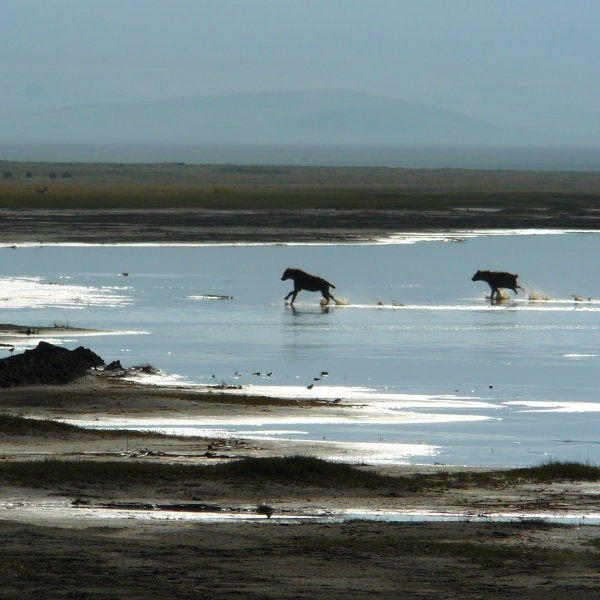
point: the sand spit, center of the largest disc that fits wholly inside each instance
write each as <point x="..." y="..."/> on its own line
<point x="15" y="335"/>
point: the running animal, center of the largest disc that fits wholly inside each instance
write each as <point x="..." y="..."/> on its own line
<point x="497" y="280"/>
<point x="310" y="283"/>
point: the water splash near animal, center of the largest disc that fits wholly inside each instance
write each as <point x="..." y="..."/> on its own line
<point x="537" y="296"/>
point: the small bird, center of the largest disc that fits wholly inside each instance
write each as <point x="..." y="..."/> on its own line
<point x="265" y="509"/>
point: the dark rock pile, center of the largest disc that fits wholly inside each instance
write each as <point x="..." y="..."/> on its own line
<point x="47" y="364"/>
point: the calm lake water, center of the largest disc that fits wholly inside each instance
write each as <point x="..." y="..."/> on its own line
<point x="440" y="374"/>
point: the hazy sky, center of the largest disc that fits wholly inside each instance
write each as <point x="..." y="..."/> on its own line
<point x="512" y="61"/>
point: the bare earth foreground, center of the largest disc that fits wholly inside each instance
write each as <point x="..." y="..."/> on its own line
<point x="74" y="551"/>
<point x="56" y="543"/>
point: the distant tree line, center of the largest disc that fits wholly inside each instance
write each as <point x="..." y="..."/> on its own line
<point x="29" y="175"/>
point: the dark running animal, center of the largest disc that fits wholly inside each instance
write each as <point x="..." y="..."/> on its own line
<point x="310" y="283"/>
<point x="497" y="280"/>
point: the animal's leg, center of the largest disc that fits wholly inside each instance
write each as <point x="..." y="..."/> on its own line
<point x="325" y="293"/>
<point x="289" y="295"/>
<point x="294" y="293"/>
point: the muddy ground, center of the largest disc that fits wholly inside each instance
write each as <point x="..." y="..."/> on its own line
<point x="184" y="225"/>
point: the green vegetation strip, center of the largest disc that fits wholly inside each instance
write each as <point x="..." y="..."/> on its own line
<point x="303" y="470"/>
<point x="298" y="469"/>
<point x="14" y="426"/>
<point x="268" y="200"/>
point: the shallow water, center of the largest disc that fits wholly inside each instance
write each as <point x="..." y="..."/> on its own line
<point x="443" y="376"/>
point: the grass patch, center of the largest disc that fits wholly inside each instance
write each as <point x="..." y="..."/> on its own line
<point x="537" y="524"/>
<point x="13" y="425"/>
<point x="558" y="471"/>
<point x="303" y="470"/>
<point x="54" y="472"/>
<point x="306" y="470"/>
<point x="293" y="470"/>
<point x="549" y="472"/>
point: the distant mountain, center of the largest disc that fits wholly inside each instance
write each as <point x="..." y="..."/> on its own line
<point x="305" y="117"/>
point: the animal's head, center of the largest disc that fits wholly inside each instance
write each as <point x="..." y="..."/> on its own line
<point x="287" y="274"/>
<point x="478" y="276"/>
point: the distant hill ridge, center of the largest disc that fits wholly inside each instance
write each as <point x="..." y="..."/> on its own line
<point x="285" y="117"/>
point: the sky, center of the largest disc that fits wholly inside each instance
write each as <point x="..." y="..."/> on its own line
<point x="522" y="63"/>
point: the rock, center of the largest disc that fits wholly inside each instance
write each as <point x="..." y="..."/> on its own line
<point x="115" y="365"/>
<point x="48" y="364"/>
<point x="145" y="369"/>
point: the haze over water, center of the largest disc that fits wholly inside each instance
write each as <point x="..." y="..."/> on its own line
<point x="434" y="372"/>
